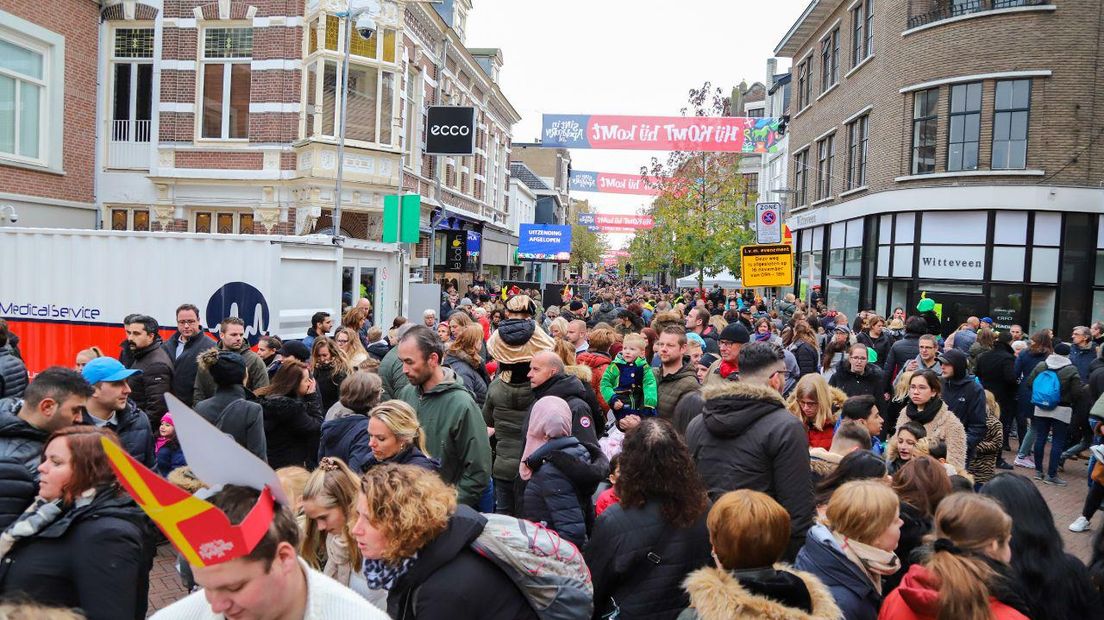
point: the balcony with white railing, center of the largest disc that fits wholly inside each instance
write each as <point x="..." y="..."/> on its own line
<point x="128" y="144"/>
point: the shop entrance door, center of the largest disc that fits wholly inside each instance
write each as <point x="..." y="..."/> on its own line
<point x="956" y="308"/>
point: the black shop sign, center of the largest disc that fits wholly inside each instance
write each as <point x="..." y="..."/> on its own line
<point x="456" y="251"/>
<point x="450" y="130"/>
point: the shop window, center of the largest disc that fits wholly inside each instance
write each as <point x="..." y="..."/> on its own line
<point x="1011" y="228"/>
<point x="902" y="261"/>
<point x="883" y="261"/>
<point x="955" y="227"/>
<point x="843" y="295"/>
<point x="853" y="262"/>
<point x="1048" y="229"/>
<point x="1044" y="265"/>
<point x="881" y="294"/>
<point x="836" y="262"/>
<point x="1099" y="271"/>
<point x="1098" y="303"/>
<point x="1006" y="305"/>
<point x="905" y="230"/>
<point x="885" y="230"/>
<point x="1008" y="264"/>
<point x="925" y="121"/>
<point x="898" y="297"/>
<point x="1042" y="309"/>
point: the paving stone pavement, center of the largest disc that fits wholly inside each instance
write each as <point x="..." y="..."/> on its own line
<point x="1064" y="502"/>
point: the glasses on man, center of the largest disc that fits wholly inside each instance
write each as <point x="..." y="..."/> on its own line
<point x="858" y="358"/>
<point x="187" y="322"/>
<point x="785" y="374"/>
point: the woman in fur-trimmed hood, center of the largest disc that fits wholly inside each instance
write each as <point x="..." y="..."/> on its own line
<point x="749" y="532"/>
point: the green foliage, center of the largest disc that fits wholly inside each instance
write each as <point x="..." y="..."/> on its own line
<point x="586" y="247"/>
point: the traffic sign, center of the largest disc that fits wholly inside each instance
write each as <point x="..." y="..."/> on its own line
<point x="766" y="265"/>
<point x="768" y="222"/>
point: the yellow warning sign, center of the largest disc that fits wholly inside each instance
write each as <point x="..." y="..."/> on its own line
<point x="766" y="265"/>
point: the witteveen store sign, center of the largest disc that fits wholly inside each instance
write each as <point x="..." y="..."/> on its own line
<point x="450" y="130"/>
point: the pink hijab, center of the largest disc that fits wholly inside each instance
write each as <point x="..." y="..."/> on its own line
<point x="551" y="419"/>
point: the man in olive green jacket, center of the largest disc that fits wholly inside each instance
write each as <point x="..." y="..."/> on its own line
<point x="455" y="432"/>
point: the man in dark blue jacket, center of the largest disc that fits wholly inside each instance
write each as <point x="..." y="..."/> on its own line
<point x="110" y="406"/>
<point x="183" y="349"/>
<point x="964" y="397"/>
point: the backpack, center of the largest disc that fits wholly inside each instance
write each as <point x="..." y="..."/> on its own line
<point x="1046" y="391"/>
<point x="549" y="571"/>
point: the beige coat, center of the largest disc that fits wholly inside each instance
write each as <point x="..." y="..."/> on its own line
<point x="945" y="426"/>
<point x="716" y="595"/>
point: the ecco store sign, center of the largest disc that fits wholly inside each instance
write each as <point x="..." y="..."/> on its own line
<point x="450" y="130"/>
<point x="966" y="262"/>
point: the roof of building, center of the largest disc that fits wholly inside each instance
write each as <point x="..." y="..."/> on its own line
<point x="779" y="80"/>
<point x="805" y="27"/>
<point x="526" y="175"/>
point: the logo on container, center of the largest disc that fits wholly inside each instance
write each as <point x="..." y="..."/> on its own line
<point x="243" y="301"/>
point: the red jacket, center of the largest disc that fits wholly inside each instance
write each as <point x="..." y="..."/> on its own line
<point x="917" y="598"/>
<point x="821" y="439"/>
<point x="598" y="364"/>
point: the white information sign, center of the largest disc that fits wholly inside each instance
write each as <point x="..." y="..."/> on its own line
<point x="768" y="222"/>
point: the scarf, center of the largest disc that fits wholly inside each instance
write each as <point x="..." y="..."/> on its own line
<point x="551" y="419"/>
<point x="382" y="575"/>
<point x="36" y="518"/>
<point x="505" y="353"/>
<point x="926" y="415"/>
<point x="727" y="368"/>
<point x="762" y="337"/>
<point x="875" y="562"/>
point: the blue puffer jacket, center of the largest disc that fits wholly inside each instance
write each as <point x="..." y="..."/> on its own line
<point x="346" y="437"/>
<point x="169" y="457"/>
<point x="20" y="453"/>
<point x="853" y="591"/>
<point x="550" y="496"/>
<point x="133" y="428"/>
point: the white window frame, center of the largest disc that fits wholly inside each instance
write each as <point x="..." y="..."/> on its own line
<point x="315" y="64"/>
<point x="201" y="62"/>
<point x="51" y="121"/>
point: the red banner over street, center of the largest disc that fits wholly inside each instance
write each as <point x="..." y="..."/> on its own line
<point x="722" y="134"/>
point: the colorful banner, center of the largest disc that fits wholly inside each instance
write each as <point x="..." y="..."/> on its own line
<point x="545" y="242"/>
<point x="612" y="183"/>
<point x="610" y="223"/>
<point x="722" y="134"/>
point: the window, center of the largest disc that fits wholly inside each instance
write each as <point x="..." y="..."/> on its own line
<point x="373" y="85"/>
<point x="414" y="91"/>
<point x="862" y="24"/>
<point x="224" y="223"/>
<point x="23" y="83"/>
<point x="869" y="27"/>
<point x="858" y="133"/>
<point x="804" y="84"/>
<point x="756" y="112"/>
<point x="227" y="53"/>
<point x="925" y="119"/>
<point x="1010" y="113"/>
<point x="824" y="168"/>
<point x="965" y="127"/>
<point x="829" y="60"/>
<point x="131" y="76"/>
<point x="130" y="219"/>
<point x="801" y="176"/>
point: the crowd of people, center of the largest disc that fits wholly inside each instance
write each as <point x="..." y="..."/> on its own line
<point x="661" y="454"/>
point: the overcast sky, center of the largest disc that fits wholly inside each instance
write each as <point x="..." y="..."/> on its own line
<point x="619" y="57"/>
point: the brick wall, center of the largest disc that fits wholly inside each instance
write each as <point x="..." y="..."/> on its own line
<point x="220" y="159"/>
<point x="1062" y="119"/>
<point x="78" y="21"/>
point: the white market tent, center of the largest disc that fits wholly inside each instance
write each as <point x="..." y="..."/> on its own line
<point x="722" y="278"/>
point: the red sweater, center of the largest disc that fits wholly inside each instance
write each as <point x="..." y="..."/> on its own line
<point x="917" y="598"/>
<point x="821" y="439"/>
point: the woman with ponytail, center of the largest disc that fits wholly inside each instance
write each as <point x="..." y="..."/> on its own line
<point x="964" y="574"/>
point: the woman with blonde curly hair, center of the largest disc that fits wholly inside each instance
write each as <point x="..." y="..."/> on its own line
<point x="349" y="342"/>
<point x="415" y="540"/>
<point x="329" y="506"/>
<point x="816" y="404"/>
<point x="330" y="367"/>
<point x="395" y="436"/>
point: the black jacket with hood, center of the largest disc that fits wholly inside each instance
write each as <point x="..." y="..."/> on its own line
<point x="149" y="387"/>
<point x="745" y="438"/>
<point x="234" y="410"/>
<point x="13" y="374"/>
<point x="606" y="313"/>
<point x="551" y="497"/>
<point x="996" y="371"/>
<point x="450" y="581"/>
<point x="881" y="345"/>
<point x="292" y="427"/>
<point x="902" y="351"/>
<point x="966" y="399"/>
<point x="870" y="382"/>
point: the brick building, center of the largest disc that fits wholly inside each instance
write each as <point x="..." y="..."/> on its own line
<point x="47" y="100"/>
<point x="934" y="150"/>
<point x="223" y="116"/>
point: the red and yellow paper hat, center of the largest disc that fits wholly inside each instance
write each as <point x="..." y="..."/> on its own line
<point x="197" y="529"/>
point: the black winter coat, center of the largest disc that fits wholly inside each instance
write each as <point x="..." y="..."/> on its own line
<point x="133" y="428"/>
<point x="292" y="427"/>
<point x="808" y="360"/>
<point x="378" y="350"/>
<point x="902" y="351"/>
<point x="13" y="374"/>
<point x="235" y="412"/>
<point x="95" y="558"/>
<point x="966" y="399"/>
<point x="638" y="562"/>
<point x="745" y="438"/>
<point x="20" y="454"/>
<point x="450" y="581"/>
<point x="1096" y="379"/>
<point x="551" y="498"/>
<point x="996" y="371"/>
<point x="346" y="437"/>
<point x="881" y="345"/>
<point x="329" y="385"/>
<point x="870" y="382"/>
<point x="410" y="456"/>
<point x="185" y="367"/>
<point x="575" y="392"/>
<point x="149" y="388"/>
<point x="474" y="380"/>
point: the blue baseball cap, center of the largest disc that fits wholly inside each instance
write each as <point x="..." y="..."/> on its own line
<point x="106" y="369"/>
